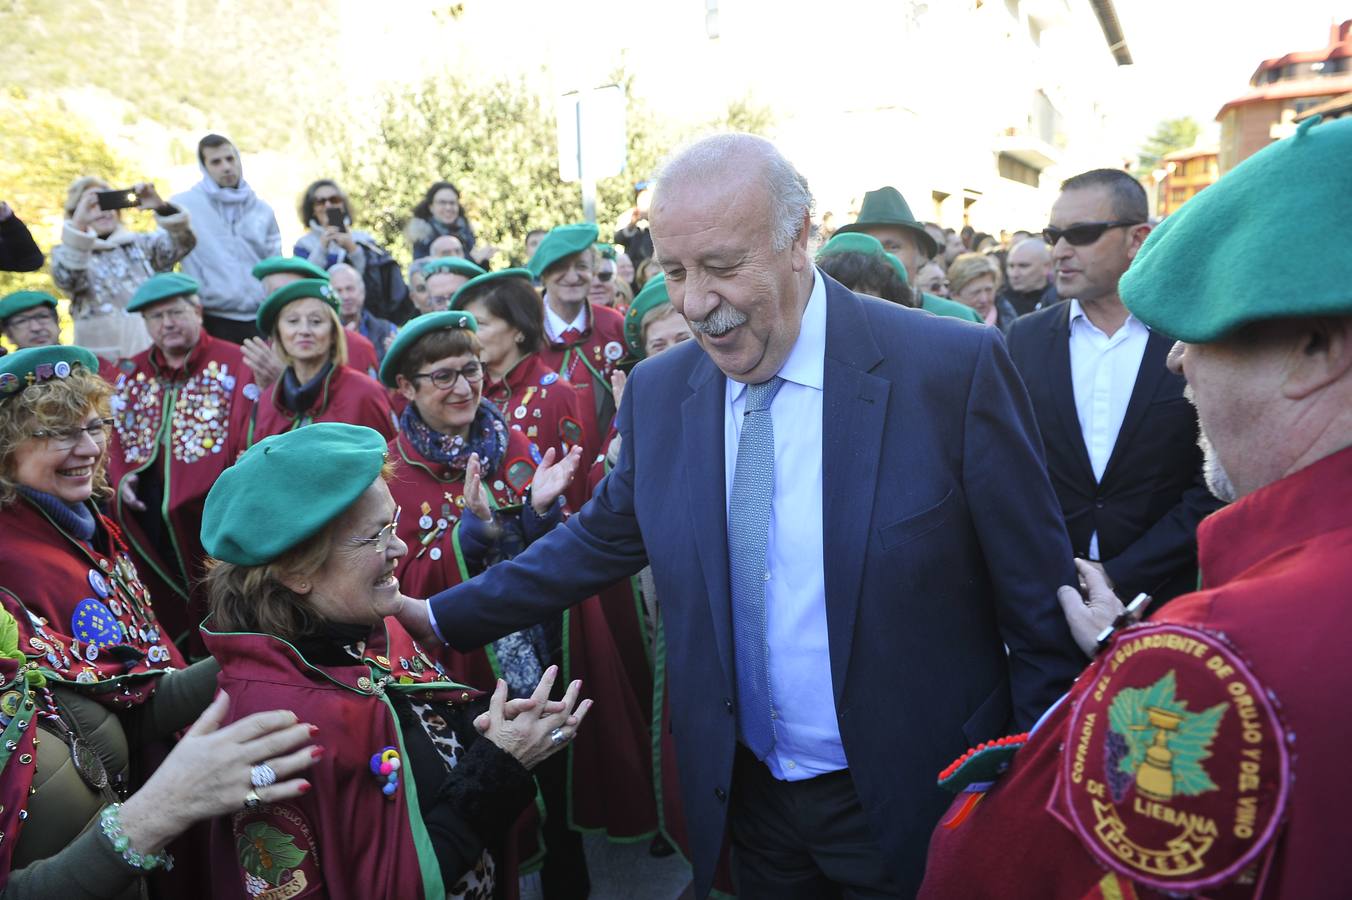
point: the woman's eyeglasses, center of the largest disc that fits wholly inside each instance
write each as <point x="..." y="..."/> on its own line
<point x="382" y="539"/>
<point x="328" y="201"/>
<point x="1084" y="234"/>
<point x="446" y="378"/>
<point x="67" y="438"/>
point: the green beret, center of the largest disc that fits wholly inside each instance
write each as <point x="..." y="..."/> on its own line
<point x="856" y="242"/>
<point x="19" y="301"/>
<point x="286" y="488"/>
<point x="561" y="243"/>
<point x="453" y="264"/>
<point x="164" y="286"/>
<point x="1271" y="239"/>
<point x="462" y="296"/>
<point x="414" y="329"/>
<point x="289" y="293"/>
<point x="38" y="364"/>
<point x="887" y="207"/>
<point x="294" y="265"/>
<point x="653" y="295"/>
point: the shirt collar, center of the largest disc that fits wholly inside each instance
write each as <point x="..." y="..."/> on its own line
<point x="1077" y="313"/>
<point x="556" y="324"/>
<point x="806" y="364"/>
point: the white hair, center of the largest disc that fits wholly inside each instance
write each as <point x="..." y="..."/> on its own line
<point x="790" y="197"/>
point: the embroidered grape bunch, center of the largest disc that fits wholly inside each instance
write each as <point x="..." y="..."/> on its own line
<point x="1114" y="751"/>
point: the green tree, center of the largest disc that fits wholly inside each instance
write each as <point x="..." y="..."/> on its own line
<point x="1169" y="135"/>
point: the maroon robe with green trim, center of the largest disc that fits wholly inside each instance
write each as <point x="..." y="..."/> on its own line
<point x="348" y="396"/>
<point x="587" y="363"/>
<point x="182" y="421"/>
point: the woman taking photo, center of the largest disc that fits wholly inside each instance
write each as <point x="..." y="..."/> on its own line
<point x="90" y="687"/>
<point x="302" y="318"/>
<point x="100" y="263"/>
<point x="440" y="213"/>
<point x="417" y="789"/>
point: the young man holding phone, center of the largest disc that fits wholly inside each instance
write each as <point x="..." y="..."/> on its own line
<point x="236" y="230"/>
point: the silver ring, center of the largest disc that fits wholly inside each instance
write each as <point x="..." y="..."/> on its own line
<point x="557" y="737"/>
<point x="252" y="800"/>
<point x="262" y="775"/>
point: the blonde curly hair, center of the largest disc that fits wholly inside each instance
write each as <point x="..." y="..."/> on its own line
<point x="51" y="405"/>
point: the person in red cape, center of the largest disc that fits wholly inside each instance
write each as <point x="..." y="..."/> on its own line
<point x="317" y="384"/>
<point x="90" y="686"/>
<point x="175" y="407"/>
<point x="532" y="398"/>
<point x="583" y="342"/>
<point x="1203" y="753"/>
<point x="420" y="778"/>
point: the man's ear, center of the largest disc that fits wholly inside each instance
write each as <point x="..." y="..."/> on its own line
<point x="1322" y="354"/>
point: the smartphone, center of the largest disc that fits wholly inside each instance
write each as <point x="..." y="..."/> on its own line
<point x="118" y="199"/>
<point x="335" y="217"/>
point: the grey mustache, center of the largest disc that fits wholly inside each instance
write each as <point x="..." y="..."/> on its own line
<point x="723" y="319"/>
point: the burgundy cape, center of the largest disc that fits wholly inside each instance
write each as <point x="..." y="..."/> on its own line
<point x="537" y="402"/>
<point x="1266" y="817"/>
<point x="182" y="422"/>
<point x="610" y="775"/>
<point x="348" y="396"/>
<point x="345" y="838"/>
<point x="587" y="363"/>
<point x="361" y="353"/>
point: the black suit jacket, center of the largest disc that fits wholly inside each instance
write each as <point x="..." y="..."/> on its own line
<point x="935" y="562"/>
<point x="1153" y="495"/>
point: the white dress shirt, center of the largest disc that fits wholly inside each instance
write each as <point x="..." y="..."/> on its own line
<point x="1103" y="373"/>
<point x="807" y="737"/>
<point x="555" y="326"/>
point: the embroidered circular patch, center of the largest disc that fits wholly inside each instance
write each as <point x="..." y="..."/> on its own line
<point x="277" y="853"/>
<point x="1175" y="769"/>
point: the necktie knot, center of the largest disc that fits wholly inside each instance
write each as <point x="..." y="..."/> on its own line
<point x="760" y="396"/>
<point x="570" y="336"/>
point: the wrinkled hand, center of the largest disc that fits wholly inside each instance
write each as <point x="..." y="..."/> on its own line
<point x="85" y="211"/>
<point x="207" y="774"/>
<point x="1097" y="566"/>
<point x="128" y="493"/>
<point x="476" y="498"/>
<point x="482" y="253"/>
<point x="552" y="478"/>
<point x="618" y="379"/>
<point x="267" y="366"/>
<point x="1088" y="617"/>
<point x="412" y="613"/>
<point x="527" y="736"/>
<point x="147" y="195"/>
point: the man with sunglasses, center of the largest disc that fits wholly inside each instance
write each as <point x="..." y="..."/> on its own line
<point x="1121" y="441"/>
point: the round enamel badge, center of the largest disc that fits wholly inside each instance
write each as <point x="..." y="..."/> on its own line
<point x="1175" y="770"/>
<point x="614" y="351"/>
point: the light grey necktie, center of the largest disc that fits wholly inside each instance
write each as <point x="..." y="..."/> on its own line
<point x="753" y="488"/>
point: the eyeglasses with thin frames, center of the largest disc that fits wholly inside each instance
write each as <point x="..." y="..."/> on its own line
<point x="446" y="378"/>
<point x="63" y="439"/>
<point x="382" y="538"/>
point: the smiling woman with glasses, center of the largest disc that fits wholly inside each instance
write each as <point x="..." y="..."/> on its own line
<point x="92" y="689"/>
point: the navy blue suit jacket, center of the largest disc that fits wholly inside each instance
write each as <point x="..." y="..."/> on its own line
<point x="944" y="543"/>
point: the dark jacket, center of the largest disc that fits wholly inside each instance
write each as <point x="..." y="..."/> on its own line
<point x="938" y="559"/>
<point x="1025" y="302"/>
<point x="1153" y="494"/>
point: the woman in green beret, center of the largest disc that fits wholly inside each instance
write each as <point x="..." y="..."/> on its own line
<point x="422" y="778"/>
<point x="91" y="690"/>
<point x="302" y="318"/>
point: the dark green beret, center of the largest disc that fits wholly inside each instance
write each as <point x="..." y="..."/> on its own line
<point x="886" y="206"/>
<point x="164" y="286"/>
<point x="472" y="286"/>
<point x="561" y="243"/>
<point x="855" y="242"/>
<point x="286" y="488"/>
<point x="1272" y="239"/>
<point x="294" y="265"/>
<point x="453" y="264"/>
<point x="653" y="295"/>
<point x="19" y="301"/>
<point x="38" y="364"/>
<point x="411" y="331"/>
<point x="290" y="293"/>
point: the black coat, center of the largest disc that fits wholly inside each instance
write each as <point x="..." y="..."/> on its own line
<point x="1152" y="496"/>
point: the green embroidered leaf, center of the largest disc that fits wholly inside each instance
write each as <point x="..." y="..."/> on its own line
<point x="1191" y="744"/>
<point x="267" y="852"/>
<point x="1125" y="716"/>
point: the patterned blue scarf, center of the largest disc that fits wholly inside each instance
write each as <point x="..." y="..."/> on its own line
<point x="487" y="437"/>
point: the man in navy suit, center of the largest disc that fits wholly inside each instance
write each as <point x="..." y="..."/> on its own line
<point x="848" y="520"/>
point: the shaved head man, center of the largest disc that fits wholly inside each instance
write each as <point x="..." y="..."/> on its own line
<point x="1028" y="266"/>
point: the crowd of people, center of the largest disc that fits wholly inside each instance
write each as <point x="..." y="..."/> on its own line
<point x="315" y="567"/>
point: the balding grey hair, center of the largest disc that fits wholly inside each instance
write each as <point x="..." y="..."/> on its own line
<point x="790" y="197"/>
<point x="344" y="267"/>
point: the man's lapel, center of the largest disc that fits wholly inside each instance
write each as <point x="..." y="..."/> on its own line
<point x="854" y="415"/>
<point x="702" y="420"/>
<point x="1148" y="378"/>
<point x="1063" y="392"/>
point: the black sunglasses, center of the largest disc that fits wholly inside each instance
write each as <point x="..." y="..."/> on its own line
<point x="1084" y="234"/>
<point x="605" y="275"/>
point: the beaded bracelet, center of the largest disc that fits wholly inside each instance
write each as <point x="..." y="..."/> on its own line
<point x="111" y="824"/>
